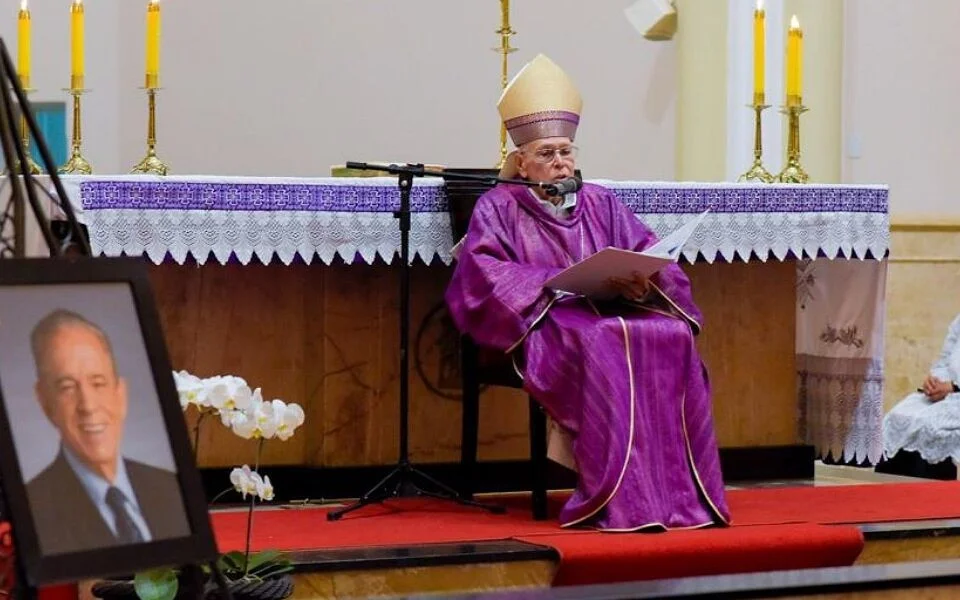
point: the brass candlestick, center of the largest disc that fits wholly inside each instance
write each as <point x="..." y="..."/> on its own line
<point x="757" y="172"/>
<point x="77" y="164"/>
<point x="504" y="49"/>
<point x="32" y="167"/>
<point x="793" y="172"/>
<point x="151" y="165"/>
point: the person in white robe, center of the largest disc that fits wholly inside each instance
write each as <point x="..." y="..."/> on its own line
<point x="928" y="420"/>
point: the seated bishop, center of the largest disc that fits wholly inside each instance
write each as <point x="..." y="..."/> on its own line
<point x="620" y="376"/>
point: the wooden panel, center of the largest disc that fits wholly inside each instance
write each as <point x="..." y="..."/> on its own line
<point x="748" y="345"/>
<point x="314" y="375"/>
<point x="360" y="403"/>
<point x="327" y="337"/>
<point x="245" y="321"/>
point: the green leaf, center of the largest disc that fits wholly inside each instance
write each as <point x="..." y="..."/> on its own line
<point x="158" y="584"/>
<point x="263" y="557"/>
<point x="272" y="571"/>
<point x="232" y="561"/>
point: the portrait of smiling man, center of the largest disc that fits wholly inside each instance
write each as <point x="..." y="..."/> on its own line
<point x="91" y="496"/>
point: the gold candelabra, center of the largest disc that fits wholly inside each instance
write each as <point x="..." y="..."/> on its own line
<point x="504" y="49"/>
<point x="793" y="172"/>
<point x="151" y="164"/>
<point x="77" y="164"/>
<point x="32" y="167"/>
<point x="757" y="172"/>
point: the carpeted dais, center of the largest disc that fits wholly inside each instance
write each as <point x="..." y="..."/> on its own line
<point x="773" y="529"/>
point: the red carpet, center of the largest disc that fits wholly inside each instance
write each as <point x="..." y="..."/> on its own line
<point x="774" y="528"/>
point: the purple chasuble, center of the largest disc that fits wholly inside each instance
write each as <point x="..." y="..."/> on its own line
<point x="624" y="380"/>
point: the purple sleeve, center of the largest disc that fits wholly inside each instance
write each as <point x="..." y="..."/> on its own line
<point x="671" y="281"/>
<point x="493" y="297"/>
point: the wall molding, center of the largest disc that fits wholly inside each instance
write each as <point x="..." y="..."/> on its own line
<point x="924" y="223"/>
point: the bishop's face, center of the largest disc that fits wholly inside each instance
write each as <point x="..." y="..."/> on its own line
<point x="547" y="159"/>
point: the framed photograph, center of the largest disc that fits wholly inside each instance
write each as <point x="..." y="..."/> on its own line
<point x="96" y="465"/>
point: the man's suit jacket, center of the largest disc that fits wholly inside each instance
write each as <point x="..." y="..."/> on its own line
<point x="67" y="520"/>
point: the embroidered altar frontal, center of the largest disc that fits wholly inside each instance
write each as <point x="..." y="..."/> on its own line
<point x="296" y="288"/>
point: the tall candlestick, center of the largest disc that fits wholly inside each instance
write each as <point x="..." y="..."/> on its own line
<point x="504" y="49"/>
<point x="759" y="51"/>
<point x="23" y="49"/>
<point x="153" y="44"/>
<point x="794" y="63"/>
<point x="76" y="45"/>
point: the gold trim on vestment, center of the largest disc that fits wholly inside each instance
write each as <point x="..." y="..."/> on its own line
<point x="686" y="442"/>
<point x="693" y="464"/>
<point x="633" y="408"/>
<point x="532" y="325"/>
<point x="676" y="306"/>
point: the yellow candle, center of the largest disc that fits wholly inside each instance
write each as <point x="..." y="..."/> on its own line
<point x="76" y="44"/>
<point x="794" y="62"/>
<point x="759" y="50"/>
<point x="153" y="43"/>
<point x="23" y="39"/>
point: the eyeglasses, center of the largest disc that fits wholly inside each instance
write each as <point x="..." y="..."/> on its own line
<point x="547" y="155"/>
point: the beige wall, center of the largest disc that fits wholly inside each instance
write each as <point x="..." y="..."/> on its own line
<point x="901" y="89"/>
<point x="923" y="288"/>
<point x="899" y="127"/>
<point x="51" y="68"/>
<point x="289" y="87"/>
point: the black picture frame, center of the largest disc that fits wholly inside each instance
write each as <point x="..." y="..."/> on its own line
<point x="198" y="547"/>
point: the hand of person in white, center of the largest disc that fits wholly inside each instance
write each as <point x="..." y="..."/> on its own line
<point x="936" y="389"/>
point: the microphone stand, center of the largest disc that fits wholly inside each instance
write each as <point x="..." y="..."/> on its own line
<point x="400" y="482"/>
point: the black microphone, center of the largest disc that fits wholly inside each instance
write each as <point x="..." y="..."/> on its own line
<point x="562" y="187"/>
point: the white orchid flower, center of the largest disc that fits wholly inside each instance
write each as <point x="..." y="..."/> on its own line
<point x="229" y="393"/>
<point x="244" y="480"/>
<point x="258" y="421"/>
<point x="265" y="488"/>
<point x="190" y="389"/>
<point x="228" y="416"/>
<point x="290" y="416"/>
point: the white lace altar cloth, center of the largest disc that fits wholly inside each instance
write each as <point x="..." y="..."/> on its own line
<point x="839" y="346"/>
<point x="287" y="218"/>
<point x="840" y="330"/>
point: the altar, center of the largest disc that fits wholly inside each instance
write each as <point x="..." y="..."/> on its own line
<point x="291" y="284"/>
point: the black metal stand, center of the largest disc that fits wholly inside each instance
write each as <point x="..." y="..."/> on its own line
<point x="402" y="481"/>
<point x="22" y="185"/>
<point x="21" y="181"/>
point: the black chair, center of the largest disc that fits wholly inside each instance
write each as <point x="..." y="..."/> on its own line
<point x="482" y="366"/>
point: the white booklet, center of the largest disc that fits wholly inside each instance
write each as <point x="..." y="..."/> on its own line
<point x="589" y="276"/>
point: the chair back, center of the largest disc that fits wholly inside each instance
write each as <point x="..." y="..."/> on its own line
<point x="462" y="196"/>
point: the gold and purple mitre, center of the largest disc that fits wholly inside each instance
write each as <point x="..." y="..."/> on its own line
<point x="540" y="102"/>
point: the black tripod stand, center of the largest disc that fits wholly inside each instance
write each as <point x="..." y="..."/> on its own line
<point x="401" y="482"/>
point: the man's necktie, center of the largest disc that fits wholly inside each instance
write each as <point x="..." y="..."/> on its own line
<point x="127" y="530"/>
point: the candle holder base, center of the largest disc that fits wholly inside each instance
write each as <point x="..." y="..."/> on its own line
<point x="757" y="173"/>
<point x="77" y="164"/>
<point x="150" y="165"/>
<point x="32" y="167"/>
<point x="793" y="172"/>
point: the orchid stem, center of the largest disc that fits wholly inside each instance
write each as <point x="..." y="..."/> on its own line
<point x="253" y="502"/>
<point x="196" y="434"/>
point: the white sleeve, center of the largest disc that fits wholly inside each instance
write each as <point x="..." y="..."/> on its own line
<point x="941" y="368"/>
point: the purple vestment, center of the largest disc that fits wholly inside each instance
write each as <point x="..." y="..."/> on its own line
<point x="625" y="381"/>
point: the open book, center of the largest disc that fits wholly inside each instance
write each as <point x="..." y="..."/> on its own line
<point x="589" y="276"/>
